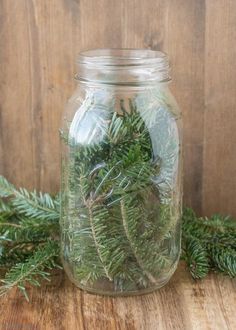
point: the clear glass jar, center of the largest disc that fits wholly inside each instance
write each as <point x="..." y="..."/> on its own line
<point x="121" y="174"/>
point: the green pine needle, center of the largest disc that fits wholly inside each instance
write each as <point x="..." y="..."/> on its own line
<point x="33" y="269"/>
<point x="209" y="243"/>
<point x="224" y="260"/>
<point x="30" y="204"/>
<point x="196" y="258"/>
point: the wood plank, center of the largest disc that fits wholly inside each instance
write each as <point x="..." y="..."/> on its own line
<point x="219" y="170"/>
<point x="100" y="24"/>
<point x="144" y="24"/>
<point x="186" y="26"/>
<point x="17" y="118"/>
<point x="36" y="80"/>
<point x="181" y="304"/>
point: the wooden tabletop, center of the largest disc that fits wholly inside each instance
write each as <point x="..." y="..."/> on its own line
<point x="181" y="304"/>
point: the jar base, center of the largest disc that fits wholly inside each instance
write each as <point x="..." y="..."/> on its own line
<point x="103" y="292"/>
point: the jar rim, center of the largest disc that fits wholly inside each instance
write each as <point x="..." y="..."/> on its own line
<point x="121" y="56"/>
<point x="123" y="66"/>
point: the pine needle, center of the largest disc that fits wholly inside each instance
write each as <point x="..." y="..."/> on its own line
<point x="30" y="204"/>
<point x="32" y="269"/>
<point x="209" y="244"/>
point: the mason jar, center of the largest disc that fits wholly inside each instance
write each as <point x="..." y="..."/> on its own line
<point x="121" y="173"/>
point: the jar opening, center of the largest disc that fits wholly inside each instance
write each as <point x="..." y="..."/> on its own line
<point x="123" y="66"/>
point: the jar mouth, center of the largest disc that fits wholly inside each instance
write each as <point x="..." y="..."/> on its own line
<point x="123" y="66"/>
<point x="122" y="57"/>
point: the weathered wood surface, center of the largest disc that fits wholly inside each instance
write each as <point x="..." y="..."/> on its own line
<point x="39" y="42"/>
<point x="182" y="304"/>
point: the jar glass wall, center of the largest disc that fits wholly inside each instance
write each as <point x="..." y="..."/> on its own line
<point x="121" y="174"/>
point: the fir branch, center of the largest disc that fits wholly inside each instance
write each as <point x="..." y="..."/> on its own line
<point x="14" y="252"/>
<point x="196" y="258"/>
<point x="30" y="204"/>
<point x="209" y="243"/>
<point x="6" y="210"/>
<point x="34" y="268"/>
<point x="132" y="243"/>
<point x="224" y="260"/>
<point x="96" y="241"/>
<point x="28" y="230"/>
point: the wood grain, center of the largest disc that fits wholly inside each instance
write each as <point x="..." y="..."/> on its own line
<point x="219" y="170"/>
<point x="39" y="43"/>
<point x="182" y="304"/>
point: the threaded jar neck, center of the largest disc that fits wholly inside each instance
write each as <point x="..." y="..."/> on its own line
<point x="132" y="67"/>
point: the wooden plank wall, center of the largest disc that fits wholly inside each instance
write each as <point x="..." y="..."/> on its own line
<point x="39" y="42"/>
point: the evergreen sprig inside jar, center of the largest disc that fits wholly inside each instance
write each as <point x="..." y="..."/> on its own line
<point x="121" y="186"/>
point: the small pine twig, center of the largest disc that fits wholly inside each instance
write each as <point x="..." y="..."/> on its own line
<point x="224" y="260"/>
<point x="209" y="244"/>
<point x="139" y="261"/>
<point x="30" y="204"/>
<point x="96" y="243"/>
<point x="196" y="259"/>
<point x="37" y="266"/>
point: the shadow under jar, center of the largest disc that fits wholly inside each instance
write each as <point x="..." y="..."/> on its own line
<point x="121" y="174"/>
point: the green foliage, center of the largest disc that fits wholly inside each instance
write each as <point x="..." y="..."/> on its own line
<point x="196" y="258"/>
<point x="6" y="211"/>
<point x="20" y="229"/>
<point x="209" y="244"/>
<point x="32" y="269"/>
<point x="29" y="204"/>
<point x="113" y="231"/>
<point x="29" y="248"/>
<point x="28" y="235"/>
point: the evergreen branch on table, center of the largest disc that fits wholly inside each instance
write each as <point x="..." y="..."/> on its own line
<point x="17" y="229"/>
<point x="22" y="229"/>
<point x="6" y="211"/>
<point x="12" y="254"/>
<point x="27" y="222"/>
<point x="196" y="258"/>
<point x="224" y="259"/>
<point x="209" y="244"/>
<point x="29" y="204"/>
<point x="33" y="269"/>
